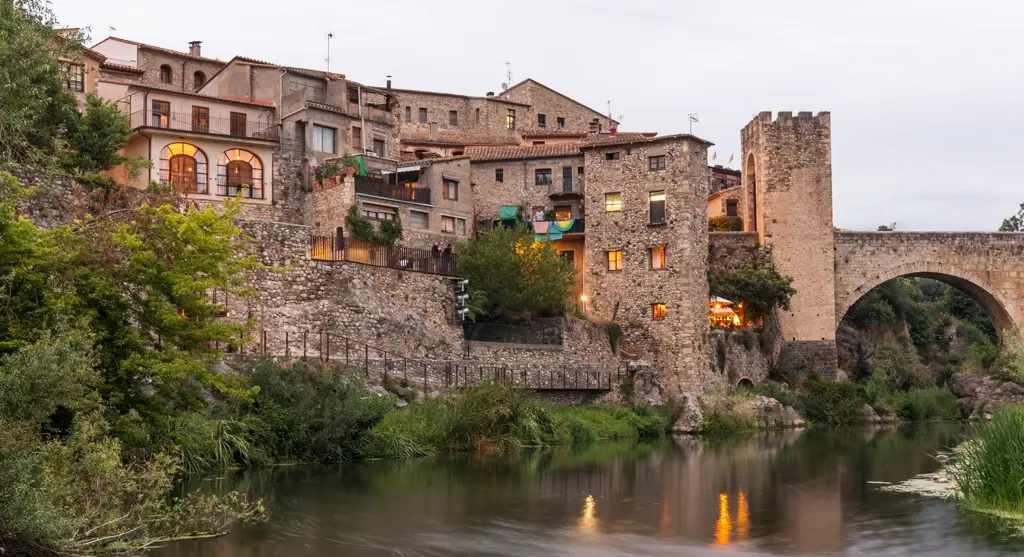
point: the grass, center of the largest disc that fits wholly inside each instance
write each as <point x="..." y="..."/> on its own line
<point x="990" y="469"/>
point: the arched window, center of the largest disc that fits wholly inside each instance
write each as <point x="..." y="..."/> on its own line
<point x="183" y="166"/>
<point x="199" y="78"/>
<point x="240" y="172"/>
<point x="165" y="74"/>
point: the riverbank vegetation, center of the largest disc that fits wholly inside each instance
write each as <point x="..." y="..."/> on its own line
<point x="989" y="471"/>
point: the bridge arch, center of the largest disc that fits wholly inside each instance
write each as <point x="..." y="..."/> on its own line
<point x="975" y="286"/>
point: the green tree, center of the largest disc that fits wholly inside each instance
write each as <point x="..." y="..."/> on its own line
<point x="512" y="276"/>
<point x="388" y="233"/>
<point x="99" y="136"/>
<point x="1014" y="223"/>
<point x="760" y="289"/>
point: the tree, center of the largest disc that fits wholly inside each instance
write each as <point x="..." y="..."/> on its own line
<point x="1014" y="223"/>
<point x="760" y="289"/>
<point x="513" y="276"/>
<point x="99" y="136"/>
<point x="887" y="227"/>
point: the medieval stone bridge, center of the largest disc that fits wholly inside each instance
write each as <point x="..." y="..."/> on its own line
<point x="987" y="266"/>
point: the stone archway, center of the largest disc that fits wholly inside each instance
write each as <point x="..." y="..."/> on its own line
<point x="745" y="382"/>
<point x="749" y="178"/>
<point x="969" y="283"/>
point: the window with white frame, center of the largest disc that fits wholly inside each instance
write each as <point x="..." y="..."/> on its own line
<point x="323" y="139"/>
<point x="418" y="219"/>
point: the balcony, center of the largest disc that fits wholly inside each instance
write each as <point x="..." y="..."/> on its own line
<point x="374" y="186"/>
<point x="568" y="189"/>
<point x="182" y="121"/>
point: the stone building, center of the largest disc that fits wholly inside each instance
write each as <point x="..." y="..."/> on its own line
<point x="646" y="249"/>
<point x="162" y="67"/>
<point x="550" y="109"/>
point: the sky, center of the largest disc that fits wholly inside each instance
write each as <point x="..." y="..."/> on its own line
<point x="925" y="97"/>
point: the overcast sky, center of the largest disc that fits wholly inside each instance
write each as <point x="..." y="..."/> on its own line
<point x="926" y="97"/>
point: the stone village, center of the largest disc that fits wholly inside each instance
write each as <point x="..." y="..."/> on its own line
<point x="629" y="209"/>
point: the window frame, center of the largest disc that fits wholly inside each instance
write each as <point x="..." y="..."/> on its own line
<point x="613" y="155"/>
<point x="560" y="122"/>
<point x="510" y="119"/>
<point x="256" y="189"/>
<point x="617" y="206"/>
<point x="446" y="219"/>
<point x="200" y="119"/>
<point x="198" y="79"/>
<point x="161" y="114"/>
<point x="166" y="73"/>
<point x="453" y="117"/>
<point x="538" y="172"/>
<point x="334" y="139"/>
<point x="499" y="175"/>
<point x="732" y="207"/>
<point x="655" y="163"/>
<point x="357" y="139"/>
<point x="659" y="311"/>
<point x="460" y="226"/>
<point x="447" y="189"/>
<point x="412" y="221"/>
<point x="408" y="114"/>
<point x="542" y="121"/>
<point x="422" y="115"/>
<point x="238" y="124"/>
<point x="664" y="261"/>
<point x="652" y="203"/>
<point x="74" y="76"/>
<point x="613" y="260"/>
<point x="373" y="214"/>
<point x="383" y="147"/>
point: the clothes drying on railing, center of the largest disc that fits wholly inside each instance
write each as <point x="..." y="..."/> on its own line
<point x="548" y="231"/>
<point x="508" y="212"/>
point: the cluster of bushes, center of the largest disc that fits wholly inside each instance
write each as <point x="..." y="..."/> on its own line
<point x="989" y="471"/>
<point x="841" y="402"/>
<point x="723" y="223"/>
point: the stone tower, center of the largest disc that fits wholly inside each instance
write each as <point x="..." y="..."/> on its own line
<point x="787" y="186"/>
<point x="647" y="250"/>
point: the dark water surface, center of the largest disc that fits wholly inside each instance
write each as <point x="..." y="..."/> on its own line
<point x="788" y="493"/>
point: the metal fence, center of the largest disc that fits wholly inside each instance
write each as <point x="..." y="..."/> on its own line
<point x="518" y="334"/>
<point x="373" y="186"/>
<point x="183" y="121"/>
<point x="332" y="248"/>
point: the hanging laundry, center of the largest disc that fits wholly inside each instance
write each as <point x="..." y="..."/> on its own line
<point x="554" y="235"/>
<point x="563" y="225"/>
<point x="541" y="226"/>
<point x="508" y="212"/>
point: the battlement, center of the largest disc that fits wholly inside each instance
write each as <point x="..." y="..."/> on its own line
<point x="785" y="119"/>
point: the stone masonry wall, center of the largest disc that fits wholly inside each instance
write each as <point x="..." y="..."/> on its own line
<point x="519" y="184"/>
<point x="183" y="69"/>
<point x="678" y="344"/>
<point x="731" y="250"/>
<point x="738" y="355"/>
<point x="554" y="105"/>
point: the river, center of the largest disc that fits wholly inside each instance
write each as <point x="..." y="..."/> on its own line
<point x="783" y="493"/>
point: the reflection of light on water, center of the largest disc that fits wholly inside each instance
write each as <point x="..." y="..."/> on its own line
<point x="724" y="526"/>
<point x="742" y="518"/>
<point x="588" y="520"/>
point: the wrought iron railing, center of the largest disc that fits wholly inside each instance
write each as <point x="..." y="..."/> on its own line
<point x="331" y="248"/>
<point x="507" y="333"/>
<point x="373" y="186"/>
<point x="183" y="121"/>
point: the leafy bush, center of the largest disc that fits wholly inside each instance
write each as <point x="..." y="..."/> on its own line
<point x="724" y="223"/>
<point x="831" y="402"/>
<point x="99" y="136"/>
<point x="584" y="425"/>
<point x="720" y="423"/>
<point x="925" y="404"/>
<point x="990" y="470"/>
<point x="1012" y="368"/>
<point x="776" y="390"/>
<point x="760" y="289"/>
<point x="387" y="233"/>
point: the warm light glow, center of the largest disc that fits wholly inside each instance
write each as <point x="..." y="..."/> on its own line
<point x="723" y="528"/>
<point x="588" y="519"/>
<point x="742" y="518"/>
<point x="658" y="196"/>
<point x="583" y="298"/>
<point x="736" y="320"/>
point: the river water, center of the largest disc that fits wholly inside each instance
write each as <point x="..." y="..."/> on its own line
<point x="785" y="493"/>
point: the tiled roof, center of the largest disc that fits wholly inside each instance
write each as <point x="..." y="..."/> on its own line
<point x="120" y="68"/>
<point x="545" y="132"/>
<point x="632" y="139"/>
<point x="431" y="160"/>
<point x="724" y="191"/>
<point x="325" y="106"/>
<point x="455" y="95"/>
<point x="330" y="76"/>
<point x="601" y="138"/>
<point x="238" y="100"/>
<point x="725" y="170"/>
<point x="523" y="82"/>
<point x="480" y="154"/>
<point x="459" y="138"/>
<point x="162" y="49"/>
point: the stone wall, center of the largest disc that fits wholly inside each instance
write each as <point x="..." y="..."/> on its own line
<point x="183" y="68"/>
<point x="518" y="186"/>
<point x="676" y="344"/>
<point x="553" y="105"/>
<point x="738" y="355"/>
<point x="731" y="250"/>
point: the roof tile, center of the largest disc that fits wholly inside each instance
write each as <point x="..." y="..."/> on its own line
<point x="480" y="154"/>
<point x="460" y="138"/>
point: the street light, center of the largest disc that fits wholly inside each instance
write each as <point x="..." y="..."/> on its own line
<point x="583" y="299"/>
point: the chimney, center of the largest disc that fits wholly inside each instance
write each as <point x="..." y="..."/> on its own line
<point x="490" y="93"/>
<point x="389" y="83"/>
<point x="433" y="130"/>
<point x="193" y="48"/>
<point x="595" y="126"/>
<point x="613" y="129"/>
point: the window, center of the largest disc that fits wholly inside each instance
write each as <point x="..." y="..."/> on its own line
<point x="569" y="256"/>
<point x="166" y="76"/>
<point x="658" y="312"/>
<point x="379" y="212"/>
<point x="423" y="115"/>
<point x="613" y="156"/>
<point x="378" y="147"/>
<point x="418" y="219"/>
<point x="478" y="116"/>
<point x="183" y="167"/>
<point x="460" y="227"/>
<point x="563" y="212"/>
<point x="656" y="163"/>
<point x="658" y="207"/>
<point x="566" y="179"/>
<point x="542" y="176"/>
<point x="614" y="260"/>
<point x="198" y="79"/>
<point x="448" y="224"/>
<point x="510" y="119"/>
<point x="238" y="124"/>
<point x="408" y="114"/>
<point x="161" y="114"/>
<point x="499" y="174"/>
<point x="560" y="122"/>
<point x="240" y="172"/>
<point x="323" y="139"/>
<point x="74" y="76"/>
<point x="732" y="207"/>
<point x="450" y="189"/>
<point x="357" y="138"/>
<point x="658" y="257"/>
<point x="612" y="202"/>
<point x="200" y="119"/>
<point x="453" y="117"/>
<point x="538" y="143"/>
<point x="579" y="171"/>
<point x="542" y="120"/>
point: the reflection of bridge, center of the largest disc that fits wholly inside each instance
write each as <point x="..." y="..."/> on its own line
<point x="787" y="201"/>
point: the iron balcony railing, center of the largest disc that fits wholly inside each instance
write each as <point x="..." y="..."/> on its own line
<point x="331" y="248"/>
<point x="374" y="186"/>
<point x="507" y="333"/>
<point x="571" y="187"/>
<point x="183" y="121"/>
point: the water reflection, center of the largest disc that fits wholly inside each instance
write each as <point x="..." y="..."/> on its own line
<point x="787" y="493"/>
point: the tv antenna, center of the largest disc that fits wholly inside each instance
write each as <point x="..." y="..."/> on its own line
<point x="693" y="118"/>
<point x="329" y="37"/>
<point x="508" y="75"/>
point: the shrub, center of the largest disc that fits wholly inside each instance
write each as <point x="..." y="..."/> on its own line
<point x="720" y="423"/>
<point x="990" y="470"/>
<point x="723" y="223"/>
<point x="831" y="402"/>
<point x="760" y="289"/>
<point x="776" y="390"/>
<point x="925" y="404"/>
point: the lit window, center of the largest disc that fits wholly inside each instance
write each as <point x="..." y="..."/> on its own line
<point x="161" y="114"/>
<point x="423" y="115"/>
<point x="510" y="119"/>
<point x="418" y="219"/>
<point x="499" y="175"/>
<point x="542" y="177"/>
<point x="183" y="166"/>
<point x="658" y="312"/>
<point x="658" y="257"/>
<point x="450" y="189"/>
<point x="542" y="120"/>
<point x="323" y="139"/>
<point x="612" y="202"/>
<point x="460" y="227"/>
<point x="448" y="224"/>
<point x="658" y="207"/>
<point x="379" y="212"/>
<point x="563" y="213"/>
<point x="656" y="163"/>
<point x="613" y="156"/>
<point x="240" y="172"/>
<point x="614" y="260"/>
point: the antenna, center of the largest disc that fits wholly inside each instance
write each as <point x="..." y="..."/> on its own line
<point x="508" y="72"/>
<point x="693" y="118"/>
<point x="329" y="37"/>
<point x="111" y="30"/>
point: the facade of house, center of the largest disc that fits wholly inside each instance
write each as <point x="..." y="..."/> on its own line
<point x="162" y="67"/>
<point x="551" y="110"/>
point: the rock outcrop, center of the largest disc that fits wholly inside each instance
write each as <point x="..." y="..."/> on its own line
<point x="691" y="419"/>
<point x="978" y="396"/>
<point x="771" y="414"/>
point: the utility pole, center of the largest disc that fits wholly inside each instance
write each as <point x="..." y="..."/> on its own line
<point x="693" y="118"/>
<point x="329" y="37"/>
